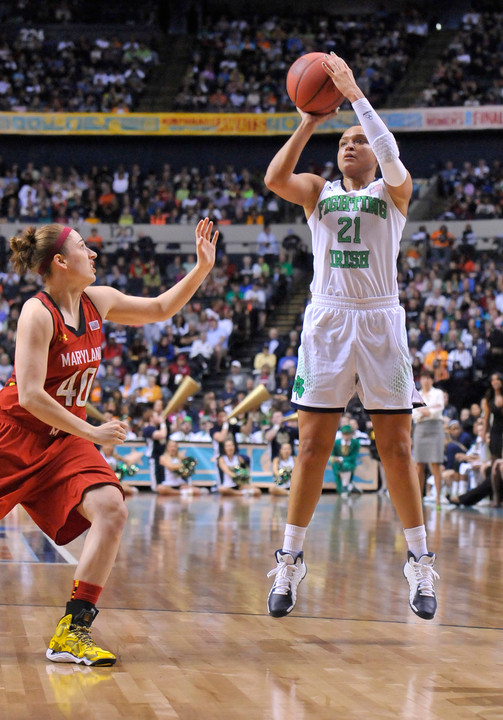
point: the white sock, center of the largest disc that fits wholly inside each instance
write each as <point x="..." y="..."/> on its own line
<point x="345" y="478"/>
<point x="293" y="539"/>
<point x="416" y="540"/>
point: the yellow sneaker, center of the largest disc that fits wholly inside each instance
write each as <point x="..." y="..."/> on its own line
<point x="72" y="642"/>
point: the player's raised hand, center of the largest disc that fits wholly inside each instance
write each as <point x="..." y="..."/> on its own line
<point x="205" y="243"/>
<point x="342" y="76"/>
<point x="316" y="119"/>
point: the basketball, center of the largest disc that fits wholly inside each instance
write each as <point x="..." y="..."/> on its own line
<point x="310" y="88"/>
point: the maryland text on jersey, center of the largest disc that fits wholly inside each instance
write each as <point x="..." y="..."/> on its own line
<point x="79" y="357"/>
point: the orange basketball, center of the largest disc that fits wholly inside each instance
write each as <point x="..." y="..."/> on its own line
<point x="310" y="88"/>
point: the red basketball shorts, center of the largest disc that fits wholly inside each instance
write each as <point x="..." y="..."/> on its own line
<point x="49" y="477"/>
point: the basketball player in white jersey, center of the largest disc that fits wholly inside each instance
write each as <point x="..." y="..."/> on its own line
<point x="353" y="338"/>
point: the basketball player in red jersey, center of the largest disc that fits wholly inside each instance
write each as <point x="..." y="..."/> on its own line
<point x="49" y="461"/>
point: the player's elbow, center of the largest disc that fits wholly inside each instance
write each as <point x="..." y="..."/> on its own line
<point x="272" y="180"/>
<point x="27" y="398"/>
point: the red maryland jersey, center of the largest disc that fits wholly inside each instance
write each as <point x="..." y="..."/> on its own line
<point x="73" y="360"/>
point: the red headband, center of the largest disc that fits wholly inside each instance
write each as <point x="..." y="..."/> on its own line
<point x="44" y="265"/>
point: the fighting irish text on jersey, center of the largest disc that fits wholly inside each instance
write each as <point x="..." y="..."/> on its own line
<point x="347" y="228"/>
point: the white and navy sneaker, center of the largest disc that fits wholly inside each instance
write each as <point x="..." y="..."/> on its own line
<point x="289" y="573"/>
<point x="421" y="578"/>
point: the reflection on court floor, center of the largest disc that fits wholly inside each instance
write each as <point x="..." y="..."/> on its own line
<point x="30" y="545"/>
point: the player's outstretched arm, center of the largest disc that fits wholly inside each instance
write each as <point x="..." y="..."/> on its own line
<point x="131" y="310"/>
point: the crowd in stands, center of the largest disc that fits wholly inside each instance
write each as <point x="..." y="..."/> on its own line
<point x="473" y="191"/>
<point x="65" y="12"/>
<point x="133" y="195"/>
<point x="238" y="62"/>
<point x="97" y="71"/>
<point x="452" y="295"/>
<point x="240" y="65"/>
<point x="469" y="72"/>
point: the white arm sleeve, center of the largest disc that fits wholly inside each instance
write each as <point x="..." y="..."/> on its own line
<point x="382" y="143"/>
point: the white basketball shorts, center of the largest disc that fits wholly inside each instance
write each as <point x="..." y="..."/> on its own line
<point x="348" y="346"/>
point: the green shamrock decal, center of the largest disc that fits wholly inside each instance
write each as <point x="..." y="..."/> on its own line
<point x="298" y="386"/>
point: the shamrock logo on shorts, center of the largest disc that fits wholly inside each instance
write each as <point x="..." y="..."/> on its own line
<point x="298" y="386"/>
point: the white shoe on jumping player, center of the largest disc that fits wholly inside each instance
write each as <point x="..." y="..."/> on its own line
<point x="289" y="573"/>
<point x="421" y="578"/>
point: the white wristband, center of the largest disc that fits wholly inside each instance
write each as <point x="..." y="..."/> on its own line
<point x="372" y="125"/>
<point x="382" y="143"/>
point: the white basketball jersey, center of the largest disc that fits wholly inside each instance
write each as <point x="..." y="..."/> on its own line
<point x="356" y="239"/>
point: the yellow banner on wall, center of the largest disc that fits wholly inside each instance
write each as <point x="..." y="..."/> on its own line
<point x="260" y="124"/>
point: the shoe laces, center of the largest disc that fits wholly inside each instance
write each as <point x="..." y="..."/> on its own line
<point x="425" y="577"/>
<point x="284" y="574"/>
<point x="83" y="633"/>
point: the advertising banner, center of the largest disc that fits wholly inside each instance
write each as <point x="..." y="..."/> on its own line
<point x="245" y="124"/>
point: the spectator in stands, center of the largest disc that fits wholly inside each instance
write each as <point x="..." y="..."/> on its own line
<point x="109" y="383"/>
<point x="441" y="245"/>
<point x="266" y="376"/>
<point x="238" y="376"/>
<point x="474" y="470"/>
<point x="456" y="441"/>
<point x="155" y="433"/>
<point x="492" y="411"/>
<point x="152" y="391"/>
<point x="280" y="431"/>
<point x="140" y="378"/>
<point x="264" y="357"/>
<point x="165" y="348"/>
<point x="6" y="368"/>
<point x="227" y="395"/>
<point x="256" y="299"/>
<point x="283" y="390"/>
<point x="460" y="365"/>
<point x="178" y="369"/>
<point x="428" y="434"/>
<point x="218" y="340"/>
<point x="200" y="354"/>
<point x="95" y="240"/>
<point x="435" y="299"/>
<point x="108" y="205"/>
<point x="185" y="432"/>
<point x="267" y="244"/>
<point x="288" y="360"/>
<point x="435" y="362"/>
<point x="468" y="241"/>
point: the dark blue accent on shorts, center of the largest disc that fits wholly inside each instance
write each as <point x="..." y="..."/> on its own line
<point x="316" y="409"/>
<point x="389" y="412"/>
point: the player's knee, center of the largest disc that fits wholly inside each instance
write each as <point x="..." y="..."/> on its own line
<point x="396" y="450"/>
<point x="311" y="449"/>
<point x="112" y="513"/>
<point x="117" y="513"/>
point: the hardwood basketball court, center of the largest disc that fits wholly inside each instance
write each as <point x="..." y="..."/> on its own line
<point x="185" y="611"/>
